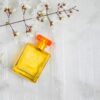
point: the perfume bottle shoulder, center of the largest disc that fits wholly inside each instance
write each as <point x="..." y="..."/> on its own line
<point x="42" y="51"/>
<point x="36" y="49"/>
<point x="29" y="45"/>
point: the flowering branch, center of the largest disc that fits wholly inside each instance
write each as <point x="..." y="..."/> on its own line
<point x="28" y="28"/>
<point x="60" y="10"/>
<point x="40" y="16"/>
<point x="8" y="13"/>
<point x="46" y="7"/>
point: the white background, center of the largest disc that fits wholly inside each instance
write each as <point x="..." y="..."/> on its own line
<point x="73" y="72"/>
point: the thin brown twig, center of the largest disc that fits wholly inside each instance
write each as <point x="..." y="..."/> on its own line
<point x="14" y="33"/>
<point x="24" y="19"/>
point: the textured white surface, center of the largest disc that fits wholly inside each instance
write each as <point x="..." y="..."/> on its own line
<point x="74" y="69"/>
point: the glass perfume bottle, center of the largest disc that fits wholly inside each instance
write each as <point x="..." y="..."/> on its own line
<point x="33" y="59"/>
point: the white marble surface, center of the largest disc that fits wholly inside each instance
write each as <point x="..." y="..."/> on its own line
<point x="73" y="71"/>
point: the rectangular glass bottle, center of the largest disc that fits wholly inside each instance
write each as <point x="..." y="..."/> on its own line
<point x="33" y="59"/>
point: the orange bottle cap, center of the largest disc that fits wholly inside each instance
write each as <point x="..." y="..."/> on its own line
<point x="41" y="38"/>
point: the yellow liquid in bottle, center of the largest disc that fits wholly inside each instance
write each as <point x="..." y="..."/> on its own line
<point x="31" y="62"/>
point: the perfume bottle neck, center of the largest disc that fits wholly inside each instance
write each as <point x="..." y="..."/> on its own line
<point x="42" y="45"/>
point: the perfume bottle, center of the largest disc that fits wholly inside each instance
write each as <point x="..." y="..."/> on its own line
<point x="33" y="59"/>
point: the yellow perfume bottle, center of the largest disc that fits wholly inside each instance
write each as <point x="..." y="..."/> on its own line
<point x="33" y="59"/>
